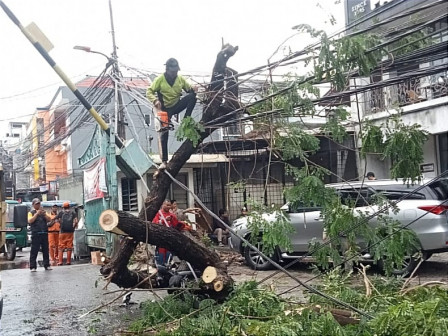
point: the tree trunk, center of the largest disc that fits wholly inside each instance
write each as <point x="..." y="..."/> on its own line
<point x="182" y="246"/>
<point x="191" y="250"/>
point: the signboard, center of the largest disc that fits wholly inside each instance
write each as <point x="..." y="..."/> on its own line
<point x="356" y="9"/>
<point x="95" y="181"/>
<point x="427" y="167"/>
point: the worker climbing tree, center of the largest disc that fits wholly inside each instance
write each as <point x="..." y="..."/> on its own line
<point x="165" y="93"/>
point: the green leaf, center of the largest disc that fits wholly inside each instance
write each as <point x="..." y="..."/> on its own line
<point x="190" y="129"/>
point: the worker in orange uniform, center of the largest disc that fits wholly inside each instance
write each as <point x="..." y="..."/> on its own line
<point x="53" y="234"/>
<point x="69" y="222"/>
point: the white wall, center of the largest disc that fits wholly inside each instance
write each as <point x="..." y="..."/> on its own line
<point x="430" y="156"/>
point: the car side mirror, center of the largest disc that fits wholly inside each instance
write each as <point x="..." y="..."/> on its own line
<point x="20" y="216"/>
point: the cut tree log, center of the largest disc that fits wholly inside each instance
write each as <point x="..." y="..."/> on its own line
<point x="222" y="89"/>
<point x="180" y="244"/>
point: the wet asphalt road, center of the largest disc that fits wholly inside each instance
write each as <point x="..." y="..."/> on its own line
<point x="47" y="303"/>
<point x="50" y="302"/>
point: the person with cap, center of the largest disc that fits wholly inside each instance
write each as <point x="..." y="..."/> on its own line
<point x="371" y="176"/>
<point x="165" y="93"/>
<point x="69" y="221"/>
<point x="38" y="219"/>
<point x="53" y="234"/>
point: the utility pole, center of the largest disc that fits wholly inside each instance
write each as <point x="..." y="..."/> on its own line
<point x="108" y="141"/>
<point x="117" y="129"/>
<point x="119" y="113"/>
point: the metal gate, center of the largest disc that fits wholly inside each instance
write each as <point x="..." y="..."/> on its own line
<point x="95" y="235"/>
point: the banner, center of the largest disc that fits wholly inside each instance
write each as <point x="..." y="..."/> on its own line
<point x="95" y="181"/>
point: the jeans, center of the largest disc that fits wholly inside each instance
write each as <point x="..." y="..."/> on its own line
<point x="39" y="241"/>
<point x="188" y="102"/>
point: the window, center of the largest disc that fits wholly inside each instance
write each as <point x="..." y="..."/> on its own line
<point x="10" y="213"/>
<point x="398" y="191"/>
<point x="299" y="207"/>
<point x="129" y="194"/>
<point x="59" y="122"/>
<point x="394" y="195"/>
<point x="355" y="197"/>
<point x="40" y="130"/>
<point x="178" y="193"/>
<point x="440" y="188"/>
<point x="147" y="118"/>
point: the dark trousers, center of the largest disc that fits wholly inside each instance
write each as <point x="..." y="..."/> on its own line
<point x="39" y="241"/>
<point x="188" y="102"/>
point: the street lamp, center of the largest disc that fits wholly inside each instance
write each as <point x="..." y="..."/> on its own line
<point x="110" y="60"/>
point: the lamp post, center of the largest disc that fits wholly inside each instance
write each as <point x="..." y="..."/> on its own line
<point x="89" y="50"/>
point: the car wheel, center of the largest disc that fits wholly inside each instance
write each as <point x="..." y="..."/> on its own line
<point x="10" y="250"/>
<point x="256" y="261"/>
<point x="408" y="265"/>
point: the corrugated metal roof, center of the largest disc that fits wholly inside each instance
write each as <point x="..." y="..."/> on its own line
<point x="107" y="82"/>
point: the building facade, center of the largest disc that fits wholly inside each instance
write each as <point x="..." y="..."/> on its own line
<point x="421" y="97"/>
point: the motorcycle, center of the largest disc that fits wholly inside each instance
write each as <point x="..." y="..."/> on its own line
<point x="175" y="274"/>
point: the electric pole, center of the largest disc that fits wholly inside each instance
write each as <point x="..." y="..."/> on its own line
<point x="119" y="112"/>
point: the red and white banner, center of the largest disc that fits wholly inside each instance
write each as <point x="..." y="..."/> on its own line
<point x="95" y="181"/>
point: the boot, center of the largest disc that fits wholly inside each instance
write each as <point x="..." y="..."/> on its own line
<point x="60" y="257"/>
<point x="69" y="257"/>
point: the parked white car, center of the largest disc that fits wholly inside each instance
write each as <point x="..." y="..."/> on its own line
<point x="431" y="229"/>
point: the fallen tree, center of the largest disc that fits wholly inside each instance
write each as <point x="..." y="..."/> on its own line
<point x="222" y="99"/>
<point x="216" y="281"/>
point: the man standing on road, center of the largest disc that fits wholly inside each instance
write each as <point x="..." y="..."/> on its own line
<point x="53" y="234"/>
<point x="38" y="219"/>
<point x="165" y="93"/>
<point x="69" y="221"/>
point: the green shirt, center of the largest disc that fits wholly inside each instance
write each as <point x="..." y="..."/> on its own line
<point x="170" y="94"/>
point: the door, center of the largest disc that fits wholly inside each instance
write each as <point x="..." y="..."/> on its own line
<point x="308" y="224"/>
<point x="179" y="194"/>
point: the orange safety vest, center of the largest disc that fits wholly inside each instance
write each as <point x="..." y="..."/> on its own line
<point x="56" y="227"/>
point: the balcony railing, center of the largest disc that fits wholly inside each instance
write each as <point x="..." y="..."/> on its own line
<point x="412" y="91"/>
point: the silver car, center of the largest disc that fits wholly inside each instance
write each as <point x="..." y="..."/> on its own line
<point x="431" y="229"/>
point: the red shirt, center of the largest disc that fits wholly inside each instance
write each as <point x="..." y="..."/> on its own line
<point x="166" y="218"/>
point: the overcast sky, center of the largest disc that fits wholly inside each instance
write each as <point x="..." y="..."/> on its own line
<point x="147" y="34"/>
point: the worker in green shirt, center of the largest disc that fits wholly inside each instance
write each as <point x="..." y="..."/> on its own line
<point x="165" y="93"/>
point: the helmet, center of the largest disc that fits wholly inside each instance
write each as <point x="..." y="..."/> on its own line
<point x="66" y="205"/>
